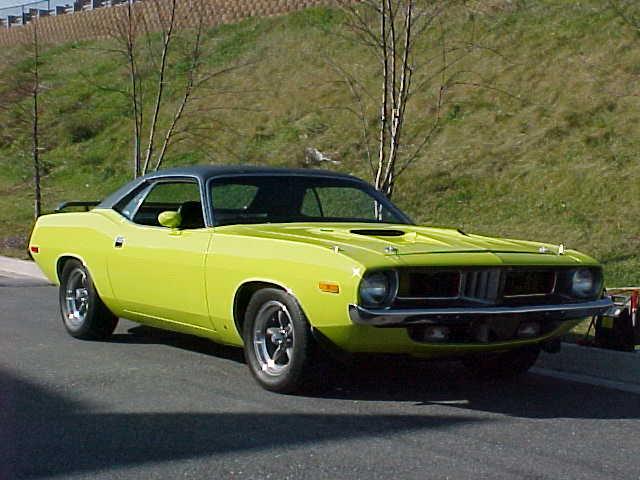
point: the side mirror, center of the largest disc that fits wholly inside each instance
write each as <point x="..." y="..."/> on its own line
<point x="170" y="219"/>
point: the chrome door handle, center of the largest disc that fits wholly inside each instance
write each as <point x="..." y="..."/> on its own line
<point x="119" y="242"/>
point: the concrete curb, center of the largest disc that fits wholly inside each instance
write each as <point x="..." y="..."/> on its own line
<point x="21" y="268"/>
<point x="594" y="362"/>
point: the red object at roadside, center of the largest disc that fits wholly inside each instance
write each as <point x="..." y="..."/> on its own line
<point x="619" y="328"/>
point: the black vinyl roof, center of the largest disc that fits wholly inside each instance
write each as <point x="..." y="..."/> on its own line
<point x="206" y="172"/>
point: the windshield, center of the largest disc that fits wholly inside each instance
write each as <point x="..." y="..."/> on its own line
<point x="286" y="199"/>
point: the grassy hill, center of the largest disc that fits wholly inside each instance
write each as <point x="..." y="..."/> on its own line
<point x="549" y="154"/>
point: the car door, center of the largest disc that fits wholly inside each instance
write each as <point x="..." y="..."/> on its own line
<point x="158" y="273"/>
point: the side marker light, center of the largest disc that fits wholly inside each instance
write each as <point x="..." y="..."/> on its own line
<point x="329" y="287"/>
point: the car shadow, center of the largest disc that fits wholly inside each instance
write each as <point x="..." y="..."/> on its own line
<point x="448" y="383"/>
<point x="435" y="382"/>
<point x="142" y="334"/>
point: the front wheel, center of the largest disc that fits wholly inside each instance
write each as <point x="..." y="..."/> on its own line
<point x="502" y="365"/>
<point x="278" y="342"/>
<point x="83" y="313"/>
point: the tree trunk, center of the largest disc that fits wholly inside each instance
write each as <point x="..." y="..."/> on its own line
<point x="35" y="146"/>
<point x="135" y="94"/>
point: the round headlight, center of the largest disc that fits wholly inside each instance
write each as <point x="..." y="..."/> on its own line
<point x="377" y="288"/>
<point x="583" y="283"/>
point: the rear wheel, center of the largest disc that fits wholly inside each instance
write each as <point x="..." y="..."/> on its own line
<point x="83" y="313"/>
<point x="502" y="365"/>
<point x="278" y="342"/>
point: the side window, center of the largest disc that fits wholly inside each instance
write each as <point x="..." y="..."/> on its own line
<point x="232" y="196"/>
<point x="173" y="194"/>
<point x="232" y="203"/>
<point x="182" y="196"/>
<point x="338" y="202"/>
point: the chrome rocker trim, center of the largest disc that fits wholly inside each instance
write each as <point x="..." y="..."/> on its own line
<point x="387" y="317"/>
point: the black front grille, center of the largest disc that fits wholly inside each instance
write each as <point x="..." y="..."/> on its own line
<point x="424" y="287"/>
<point x="529" y="283"/>
<point x="482" y="285"/>
<point x="436" y="284"/>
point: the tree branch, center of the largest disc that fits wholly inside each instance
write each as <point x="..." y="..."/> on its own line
<point x="167" y="37"/>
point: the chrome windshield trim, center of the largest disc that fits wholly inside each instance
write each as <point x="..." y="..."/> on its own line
<point x="390" y="317"/>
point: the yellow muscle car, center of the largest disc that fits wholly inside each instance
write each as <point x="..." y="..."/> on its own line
<point x="290" y="264"/>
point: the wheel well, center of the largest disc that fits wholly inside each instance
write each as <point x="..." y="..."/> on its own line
<point x="61" y="263"/>
<point x="242" y="298"/>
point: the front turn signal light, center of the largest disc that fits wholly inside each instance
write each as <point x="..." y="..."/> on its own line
<point x="329" y="287"/>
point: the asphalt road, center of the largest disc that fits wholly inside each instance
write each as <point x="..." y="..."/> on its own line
<point x="150" y="404"/>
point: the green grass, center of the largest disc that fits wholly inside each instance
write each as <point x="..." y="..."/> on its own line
<point x="555" y="160"/>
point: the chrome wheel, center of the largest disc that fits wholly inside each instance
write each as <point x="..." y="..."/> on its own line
<point x="273" y="338"/>
<point x="278" y="342"/>
<point x="76" y="302"/>
<point x="83" y="313"/>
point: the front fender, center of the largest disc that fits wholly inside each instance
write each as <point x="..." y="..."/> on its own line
<point x="235" y="260"/>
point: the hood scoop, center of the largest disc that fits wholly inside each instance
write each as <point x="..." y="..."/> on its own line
<point x="380" y="232"/>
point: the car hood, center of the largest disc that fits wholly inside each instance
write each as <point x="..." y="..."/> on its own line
<point x="397" y="240"/>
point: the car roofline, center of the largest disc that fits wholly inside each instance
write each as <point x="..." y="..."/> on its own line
<point x="204" y="173"/>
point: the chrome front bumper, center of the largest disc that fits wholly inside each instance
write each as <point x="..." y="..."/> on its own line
<point x="388" y="317"/>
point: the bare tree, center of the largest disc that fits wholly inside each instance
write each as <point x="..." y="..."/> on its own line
<point x="191" y="83"/>
<point x="126" y="34"/>
<point x="130" y="27"/>
<point x="133" y="35"/>
<point x="167" y="37"/>
<point x="20" y="98"/>
<point x="409" y="40"/>
<point x="35" y="117"/>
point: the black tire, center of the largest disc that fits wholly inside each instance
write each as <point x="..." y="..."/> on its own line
<point x="83" y="314"/>
<point x="502" y="365"/>
<point x="286" y="375"/>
